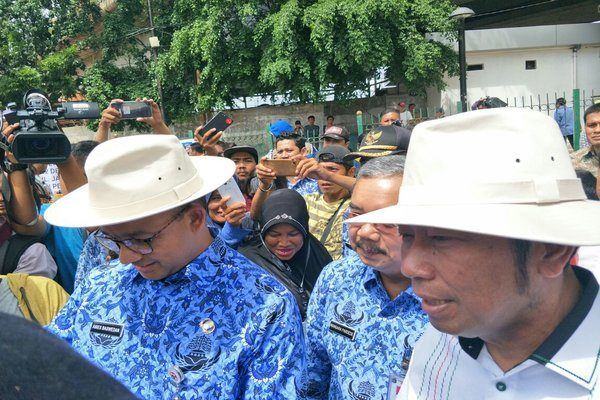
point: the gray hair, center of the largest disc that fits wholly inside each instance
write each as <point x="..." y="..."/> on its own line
<point x="383" y="167"/>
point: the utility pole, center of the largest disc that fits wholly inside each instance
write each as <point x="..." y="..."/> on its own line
<point x="154" y="44"/>
<point x="460" y="14"/>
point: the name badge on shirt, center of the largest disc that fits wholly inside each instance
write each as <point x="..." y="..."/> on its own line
<point x="342" y="329"/>
<point x="105" y="328"/>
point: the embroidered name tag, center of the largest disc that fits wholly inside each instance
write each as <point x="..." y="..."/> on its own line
<point x="341" y="329"/>
<point x="105" y="328"/>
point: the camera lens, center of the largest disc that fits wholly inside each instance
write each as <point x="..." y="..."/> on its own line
<point x="41" y="144"/>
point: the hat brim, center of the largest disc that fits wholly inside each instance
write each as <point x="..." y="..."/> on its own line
<point x="334" y="137"/>
<point x="366" y="154"/>
<point x="567" y="223"/>
<point x="242" y="149"/>
<point x="74" y="210"/>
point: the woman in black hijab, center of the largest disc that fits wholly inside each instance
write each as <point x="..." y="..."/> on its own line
<point x="286" y="248"/>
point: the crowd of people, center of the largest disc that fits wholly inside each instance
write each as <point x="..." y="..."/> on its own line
<point x="442" y="260"/>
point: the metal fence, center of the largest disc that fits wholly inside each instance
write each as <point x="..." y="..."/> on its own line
<point x="578" y="100"/>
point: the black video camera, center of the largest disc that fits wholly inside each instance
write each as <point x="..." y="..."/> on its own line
<point x="40" y="139"/>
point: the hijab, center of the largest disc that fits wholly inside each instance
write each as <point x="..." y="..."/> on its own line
<point x="300" y="273"/>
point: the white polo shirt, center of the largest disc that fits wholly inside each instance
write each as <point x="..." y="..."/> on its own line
<point x="565" y="366"/>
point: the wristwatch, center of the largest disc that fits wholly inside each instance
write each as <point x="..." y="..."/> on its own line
<point x="9" y="167"/>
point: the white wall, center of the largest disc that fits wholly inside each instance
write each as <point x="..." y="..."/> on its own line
<point x="504" y="75"/>
<point x="503" y="53"/>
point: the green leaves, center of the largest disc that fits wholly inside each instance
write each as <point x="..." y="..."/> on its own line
<point x="300" y="48"/>
<point x="37" y="46"/>
<point x="214" y="51"/>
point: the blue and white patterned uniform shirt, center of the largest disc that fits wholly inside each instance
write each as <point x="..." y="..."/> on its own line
<point x="359" y="342"/>
<point x="304" y="186"/>
<point x="92" y="256"/>
<point x="220" y="328"/>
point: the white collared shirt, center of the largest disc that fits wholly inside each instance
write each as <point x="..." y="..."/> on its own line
<point x="565" y="366"/>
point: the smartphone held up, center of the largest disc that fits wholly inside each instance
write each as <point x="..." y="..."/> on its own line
<point x="219" y="122"/>
<point x="133" y="109"/>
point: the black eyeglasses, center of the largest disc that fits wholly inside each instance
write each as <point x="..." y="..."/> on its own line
<point x="140" y="246"/>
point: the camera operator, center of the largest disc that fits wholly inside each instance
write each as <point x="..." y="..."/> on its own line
<point x="21" y="252"/>
<point x="112" y="116"/>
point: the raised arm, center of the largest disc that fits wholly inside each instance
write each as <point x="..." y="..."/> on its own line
<point x="266" y="177"/>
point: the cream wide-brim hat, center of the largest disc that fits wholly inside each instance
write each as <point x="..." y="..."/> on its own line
<point x="134" y="177"/>
<point x="502" y="172"/>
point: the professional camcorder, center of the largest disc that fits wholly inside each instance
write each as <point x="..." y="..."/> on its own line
<point x="39" y="138"/>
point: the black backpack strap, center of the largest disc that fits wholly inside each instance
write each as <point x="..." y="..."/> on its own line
<point x="3" y="249"/>
<point x="327" y="230"/>
<point x="13" y="249"/>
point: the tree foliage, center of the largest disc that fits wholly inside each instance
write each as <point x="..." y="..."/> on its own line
<point x="39" y="46"/>
<point x="300" y="48"/>
<point x="214" y="51"/>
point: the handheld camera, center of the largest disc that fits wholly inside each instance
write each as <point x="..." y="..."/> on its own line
<point x="39" y="138"/>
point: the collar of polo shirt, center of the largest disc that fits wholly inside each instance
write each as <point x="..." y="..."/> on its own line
<point x="573" y="339"/>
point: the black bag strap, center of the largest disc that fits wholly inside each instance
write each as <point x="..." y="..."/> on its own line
<point x="327" y="230"/>
<point x="12" y="250"/>
<point x="3" y="250"/>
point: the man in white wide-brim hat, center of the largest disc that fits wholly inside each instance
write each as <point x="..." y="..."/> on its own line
<point x="182" y="315"/>
<point x="490" y="212"/>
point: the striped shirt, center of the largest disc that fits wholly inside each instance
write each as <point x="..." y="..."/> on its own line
<point x="565" y="366"/>
<point x="320" y="212"/>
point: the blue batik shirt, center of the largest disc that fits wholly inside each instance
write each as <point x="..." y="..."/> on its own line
<point x="347" y="250"/>
<point x="359" y="342"/>
<point x="220" y="328"/>
<point x="304" y="186"/>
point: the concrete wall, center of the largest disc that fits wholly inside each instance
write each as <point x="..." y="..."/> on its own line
<point x="503" y="53"/>
<point x="504" y="75"/>
<point x="532" y="37"/>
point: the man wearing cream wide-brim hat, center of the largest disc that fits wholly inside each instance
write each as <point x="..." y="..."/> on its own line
<point x="490" y="210"/>
<point x="182" y="315"/>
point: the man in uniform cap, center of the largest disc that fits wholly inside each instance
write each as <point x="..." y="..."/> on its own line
<point x="382" y="141"/>
<point x="181" y="315"/>
<point x="488" y="213"/>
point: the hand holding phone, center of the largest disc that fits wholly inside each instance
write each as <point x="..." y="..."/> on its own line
<point x="282" y="167"/>
<point x="219" y="123"/>
<point x="133" y="109"/>
<point x="231" y="189"/>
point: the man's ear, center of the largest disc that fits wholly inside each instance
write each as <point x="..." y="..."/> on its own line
<point x="551" y="258"/>
<point x="197" y="215"/>
<point x="351" y="171"/>
<point x="304" y="151"/>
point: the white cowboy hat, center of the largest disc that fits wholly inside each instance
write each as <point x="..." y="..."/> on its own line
<point x="503" y="172"/>
<point x="135" y="177"/>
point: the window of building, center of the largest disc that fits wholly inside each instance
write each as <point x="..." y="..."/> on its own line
<point x="530" y="64"/>
<point x="474" y="67"/>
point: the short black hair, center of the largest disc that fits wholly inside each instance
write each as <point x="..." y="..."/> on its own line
<point x="298" y="140"/>
<point x="330" y="116"/>
<point x="412" y="104"/>
<point x="593" y="109"/>
<point x="589" y="183"/>
<point x="81" y="150"/>
<point x="311" y="116"/>
<point x="197" y="147"/>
